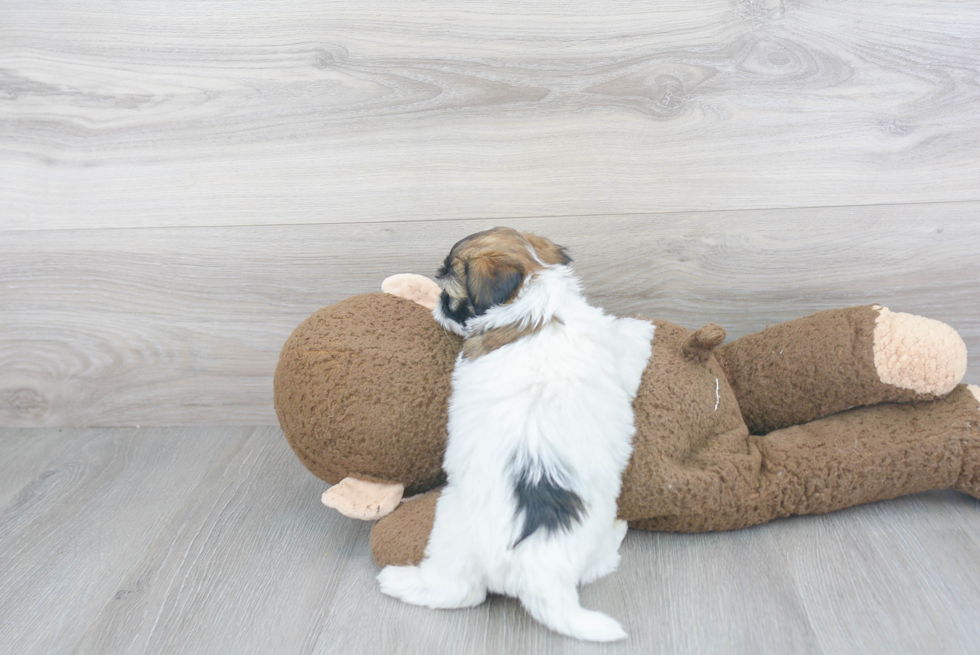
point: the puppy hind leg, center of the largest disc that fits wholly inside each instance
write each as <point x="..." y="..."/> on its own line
<point x="432" y="586"/>
<point x="555" y="604"/>
<point x="606" y="557"/>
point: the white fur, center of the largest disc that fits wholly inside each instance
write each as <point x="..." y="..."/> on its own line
<point x="561" y="398"/>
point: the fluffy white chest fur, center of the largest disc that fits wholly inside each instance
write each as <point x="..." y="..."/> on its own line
<point x="540" y="432"/>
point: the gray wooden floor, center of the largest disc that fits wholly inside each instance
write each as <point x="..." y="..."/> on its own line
<point x="213" y="540"/>
<point x="183" y="182"/>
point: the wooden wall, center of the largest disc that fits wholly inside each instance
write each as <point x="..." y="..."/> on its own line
<point x="181" y="183"/>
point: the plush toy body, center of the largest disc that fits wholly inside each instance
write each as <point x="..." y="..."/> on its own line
<point x="839" y="408"/>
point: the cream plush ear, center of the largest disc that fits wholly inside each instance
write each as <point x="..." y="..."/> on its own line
<point x="417" y="288"/>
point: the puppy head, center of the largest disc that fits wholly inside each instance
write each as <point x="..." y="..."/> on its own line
<point x="487" y="269"/>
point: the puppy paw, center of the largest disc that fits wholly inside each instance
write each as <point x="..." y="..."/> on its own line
<point x="601" y="568"/>
<point x="411" y="585"/>
<point x="607" y="559"/>
<point x="404" y="583"/>
<point x="619" y="529"/>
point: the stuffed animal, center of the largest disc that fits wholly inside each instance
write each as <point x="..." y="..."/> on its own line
<point x="839" y="408"/>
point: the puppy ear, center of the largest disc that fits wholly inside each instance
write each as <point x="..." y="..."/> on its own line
<point x="547" y="250"/>
<point x="492" y="280"/>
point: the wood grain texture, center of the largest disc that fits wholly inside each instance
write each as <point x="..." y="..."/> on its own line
<point x="200" y="114"/>
<point x="21" y="453"/>
<point x="184" y="325"/>
<point x="83" y="518"/>
<point x="876" y="589"/>
<point x="213" y="540"/>
<point x="254" y="554"/>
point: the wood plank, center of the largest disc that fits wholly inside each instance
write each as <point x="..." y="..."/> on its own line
<point x="966" y="513"/>
<point x="178" y="114"/>
<point x="22" y="450"/>
<point x="70" y="535"/>
<point x="213" y="540"/>
<point x="93" y="369"/>
<point x="883" y="578"/>
<point x="236" y="569"/>
<point x="747" y="576"/>
<point x="184" y="325"/>
<point x="250" y="562"/>
<point x="900" y="577"/>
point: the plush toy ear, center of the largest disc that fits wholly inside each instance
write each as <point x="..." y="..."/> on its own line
<point x="416" y="288"/>
<point x="492" y="280"/>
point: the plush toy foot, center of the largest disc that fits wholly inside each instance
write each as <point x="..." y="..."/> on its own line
<point x="607" y="555"/>
<point x="360" y="499"/>
<point x="917" y="353"/>
<point x="416" y="288"/>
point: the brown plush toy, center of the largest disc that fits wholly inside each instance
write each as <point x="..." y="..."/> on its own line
<point x="842" y="407"/>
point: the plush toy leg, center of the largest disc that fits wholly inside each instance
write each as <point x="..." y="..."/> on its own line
<point x="400" y="538"/>
<point x="969" y="478"/>
<point x="858" y="456"/>
<point x="822" y="364"/>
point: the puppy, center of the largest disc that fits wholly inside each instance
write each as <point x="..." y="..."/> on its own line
<point x="540" y="431"/>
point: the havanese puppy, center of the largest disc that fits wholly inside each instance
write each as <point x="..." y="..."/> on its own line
<point x="540" y="431"/>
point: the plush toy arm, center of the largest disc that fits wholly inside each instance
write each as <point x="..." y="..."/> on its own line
<point x="417" y="288"/>
<point x="825" y="363"/>
<point x="360" y="499"/>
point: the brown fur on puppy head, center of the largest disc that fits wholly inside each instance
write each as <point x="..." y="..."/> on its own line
<point x="487" y="269"/>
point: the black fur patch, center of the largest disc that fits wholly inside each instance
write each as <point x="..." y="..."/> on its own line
<point x="462" y="313"/>
<point x="545" y="504"/>
<point x="446" y="268"/>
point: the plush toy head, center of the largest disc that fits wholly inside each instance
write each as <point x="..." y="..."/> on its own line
<point x="362" y="388"/>
<point x="362" y="391"/>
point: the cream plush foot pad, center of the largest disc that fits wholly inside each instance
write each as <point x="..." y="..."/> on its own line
<point x="413" y="287"/>
<point x="360" y="499"/>
<point x="917" y="353"/>
<point x="975" y="390"/>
